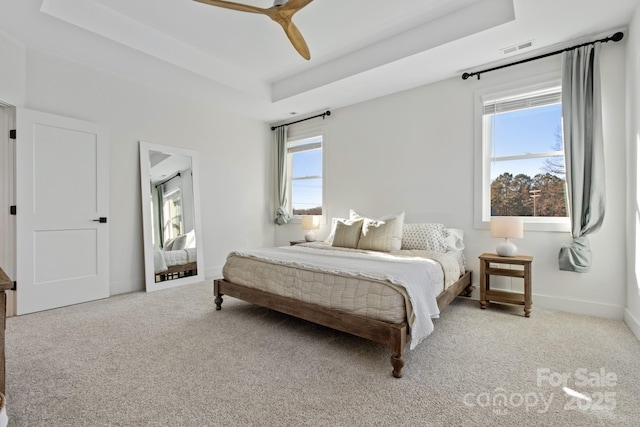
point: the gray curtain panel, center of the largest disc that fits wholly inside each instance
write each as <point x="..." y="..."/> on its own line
<point x="282" y="213"/>
<point x="158" y="206"/>
<point x="584" y="153"/>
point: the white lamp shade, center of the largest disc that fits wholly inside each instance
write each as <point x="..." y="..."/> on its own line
<point x="507" y="226"/>
<point x="310" y="222"/>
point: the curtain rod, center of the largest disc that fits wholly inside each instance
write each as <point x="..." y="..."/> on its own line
<point x="168" y="179"/>
<point x="326" y="113"/>
<point x="616" y="38"/>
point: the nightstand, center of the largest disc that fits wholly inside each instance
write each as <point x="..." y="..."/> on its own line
<point x="296" y="242"/>
<point x="487" y="270"/>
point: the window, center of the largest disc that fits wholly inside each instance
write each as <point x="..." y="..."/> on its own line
<point x="523" y="170"/>
<point x="170" y="195"/>
<point x="305" y="177"/>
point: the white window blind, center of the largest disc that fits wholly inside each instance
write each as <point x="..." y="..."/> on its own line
<point x="533" y="99"/>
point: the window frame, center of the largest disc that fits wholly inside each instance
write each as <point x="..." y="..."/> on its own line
<point x="482" y="155"/>
<point x="299" y="132"/>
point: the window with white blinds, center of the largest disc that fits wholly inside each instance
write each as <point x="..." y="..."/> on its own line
<point x="305" y="155"/>
<point x="523" y="155"/>
<point x="539" y="98"/>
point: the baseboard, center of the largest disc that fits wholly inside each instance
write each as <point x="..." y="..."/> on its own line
<point x="632" y="323"/>
<point x="117" y="288"/>
<point x="587" y="308"/>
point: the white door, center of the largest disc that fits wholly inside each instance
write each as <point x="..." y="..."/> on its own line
<point x="61" y="194"/>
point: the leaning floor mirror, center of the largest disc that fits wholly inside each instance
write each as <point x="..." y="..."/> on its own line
<point x="170" y="216"/>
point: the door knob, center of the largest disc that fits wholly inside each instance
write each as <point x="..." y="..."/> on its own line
<point x="102" y="220"/>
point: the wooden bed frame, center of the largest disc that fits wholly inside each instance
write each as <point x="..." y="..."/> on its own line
<point x="177" y="271"/>
<point x="395" y="335"/>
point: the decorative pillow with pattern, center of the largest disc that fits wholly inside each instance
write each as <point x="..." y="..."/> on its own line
<point x="396" y="238"/>
<point x="377" y="235"/>
<point x="347" y="234"/>
<point x="332" y="234"/>
<point x="425" y="237"/>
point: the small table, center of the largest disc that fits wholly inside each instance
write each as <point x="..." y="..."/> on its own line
<point x="486" y="270"/>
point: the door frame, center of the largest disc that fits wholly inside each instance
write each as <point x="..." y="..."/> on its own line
<point x="7" y="199"/>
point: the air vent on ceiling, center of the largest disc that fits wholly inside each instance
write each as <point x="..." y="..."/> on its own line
<point x="516" y="48"/>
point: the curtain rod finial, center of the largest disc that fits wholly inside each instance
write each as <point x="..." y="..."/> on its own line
<point x="617" y="36"/>
<point x="465" y="76"/>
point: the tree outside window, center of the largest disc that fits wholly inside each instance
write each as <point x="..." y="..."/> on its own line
<point x="305" y="158"/>
<point x="522" y="135"/>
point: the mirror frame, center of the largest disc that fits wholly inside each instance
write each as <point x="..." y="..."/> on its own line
<point x="145" y="173"/>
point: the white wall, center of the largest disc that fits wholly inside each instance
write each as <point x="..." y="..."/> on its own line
<point x="12" y="72"/>
<point x="632" y="313"/>
<point x="235" y="177"/>
<point x="413" y="151"/>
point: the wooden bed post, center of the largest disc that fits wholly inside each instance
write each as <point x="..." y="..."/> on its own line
<point x="217" y="294"/>
<point x="398" y="342"/>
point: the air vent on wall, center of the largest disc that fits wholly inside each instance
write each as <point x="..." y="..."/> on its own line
<point x="516" y="48"/>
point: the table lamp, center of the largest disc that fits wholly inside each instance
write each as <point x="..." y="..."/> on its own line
<point x="506" y="227"/>
<point x="310" y="223"/>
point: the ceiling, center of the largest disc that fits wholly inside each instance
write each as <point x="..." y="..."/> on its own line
<point x="360" y="49"/>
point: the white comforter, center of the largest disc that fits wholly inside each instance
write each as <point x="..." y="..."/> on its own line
<point x="415" y="275"/>
<point x="162" y="260"/>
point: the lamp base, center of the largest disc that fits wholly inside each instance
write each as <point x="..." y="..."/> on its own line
<point x="506" y="248"/>
<point x="310" y="236"/>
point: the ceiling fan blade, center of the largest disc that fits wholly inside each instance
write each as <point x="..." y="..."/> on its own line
<point x="295" y="4"/>
<point x="234" y="6"/>
<point x="296" y="39"/>
<point x="281" y="14"/>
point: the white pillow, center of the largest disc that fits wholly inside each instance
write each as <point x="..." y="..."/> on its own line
<point x="191" y="239"/>
<point x="347" y="233"/>
<point x="168" y="244"/>
<point x="425" y="237"/>
<point x="377" y="235"/>
<point x="179" y="242"/>
<point x="455" y="241"/>
<point x="396" y="238"/>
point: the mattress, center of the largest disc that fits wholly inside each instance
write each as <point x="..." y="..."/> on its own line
<point x="370" y="294"/>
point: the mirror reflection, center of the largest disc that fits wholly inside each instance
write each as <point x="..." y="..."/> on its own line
<point x="172" y="220"/>
<point x="169" y="216"/>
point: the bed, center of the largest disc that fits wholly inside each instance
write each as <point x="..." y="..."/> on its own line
<point x="387" y="296"/>
<point x="178" y="258"/>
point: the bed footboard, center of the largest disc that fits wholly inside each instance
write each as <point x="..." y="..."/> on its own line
<point x="395" y="335"/>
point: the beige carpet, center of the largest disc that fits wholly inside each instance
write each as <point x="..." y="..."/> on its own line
<point x="169" y="359"/>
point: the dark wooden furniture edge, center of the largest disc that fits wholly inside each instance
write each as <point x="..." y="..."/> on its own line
<point x="5" y="285"/>
<point x="190" y="267"/>
<point x="394" y="335"/>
